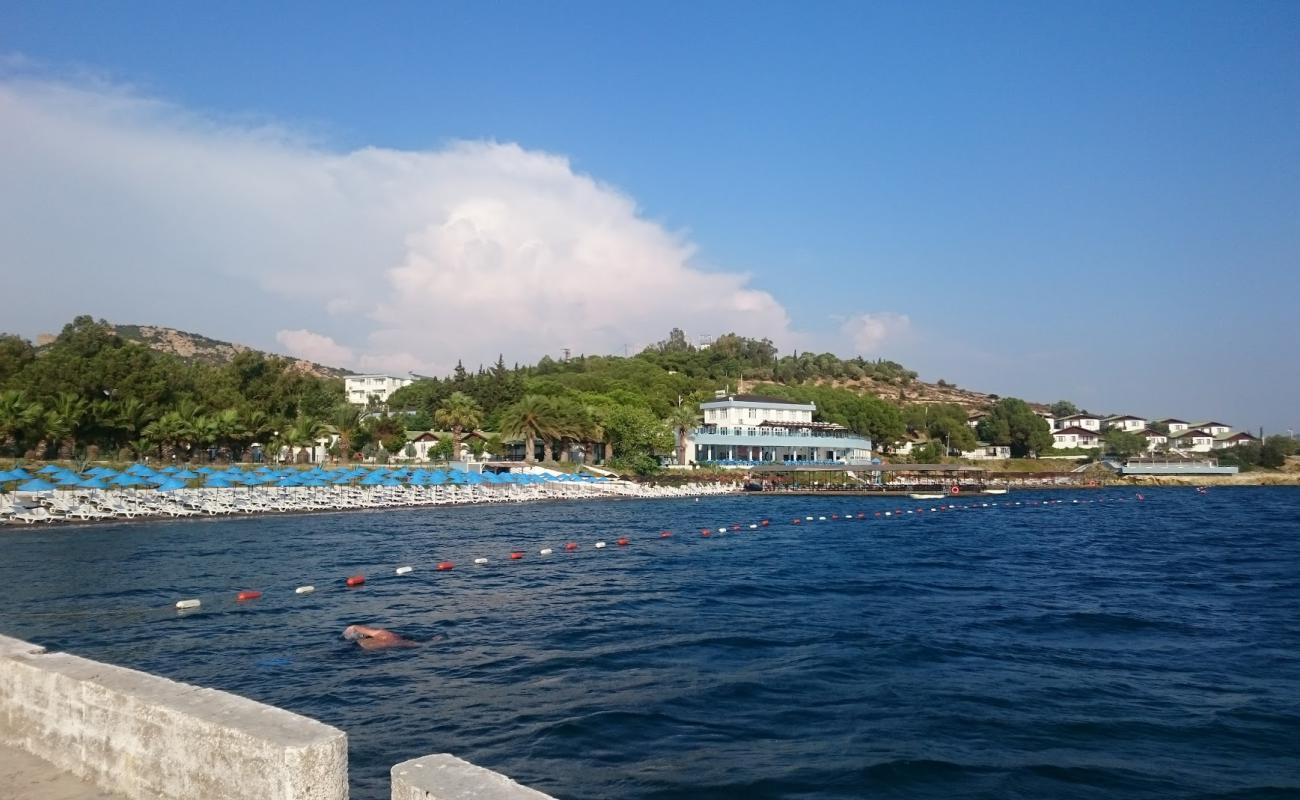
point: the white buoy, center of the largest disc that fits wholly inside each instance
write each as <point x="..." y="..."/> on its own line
<point x="808" y="518"/>
<point x="480" y="561"/>
<point x="599" y="545"/>
<point x="821" y="519"/>
<point x="722" y="530"/>
<point x="304" y="590"/>
<point x="546" y="551"/>
<point x="753" y="527"/>
<point x="402" y="570"/>
<point x="889" y="513"/>
<point x="187" y="604"/>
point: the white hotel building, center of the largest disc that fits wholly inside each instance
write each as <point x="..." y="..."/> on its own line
<point x="749" y="429"/>
<point x="360" y="388"/>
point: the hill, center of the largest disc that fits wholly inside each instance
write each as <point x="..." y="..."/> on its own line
<point x="197" y="349"/>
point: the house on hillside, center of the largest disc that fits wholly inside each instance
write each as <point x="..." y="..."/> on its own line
<point x="1047" y="417"/>
<point x="1191" y="440"/>
<point x="975" y="418"/>
<point x="1155" y="439"/>
<point x="1174" y="425"/>
<point x="1125" y="422"/>
<point x="1089" y="422"/>
<point x="1213" y="428"/>
<point x="1075" y="437"/>
<point x="984" y="452"/>
<point x="1226" y="440"/>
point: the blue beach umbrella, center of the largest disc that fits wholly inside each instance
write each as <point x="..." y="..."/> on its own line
<point x="185" y="475"/>
<point x="37" y="485"/>
<point x="48" y="468"/>
<point x="218" y="482"/>
<point x="93" y="483"/>
<point x="171" y="485"/>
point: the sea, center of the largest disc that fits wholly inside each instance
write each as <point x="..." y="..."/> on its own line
<point x="1042" y="644"/>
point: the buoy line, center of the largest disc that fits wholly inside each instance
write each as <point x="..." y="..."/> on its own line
<point x="238" y="599"/>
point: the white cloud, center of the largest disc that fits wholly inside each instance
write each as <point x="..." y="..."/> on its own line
<point x="314" y="347"/>
<point x="869" y="332"/>
<point x="129" y="208"/>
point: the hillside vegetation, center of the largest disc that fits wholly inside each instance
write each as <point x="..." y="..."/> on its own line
<point x="130" y="391"/>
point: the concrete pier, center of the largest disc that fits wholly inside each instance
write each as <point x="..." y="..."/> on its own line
<point x="146" y="737"/>
<point x="445" y="777"/>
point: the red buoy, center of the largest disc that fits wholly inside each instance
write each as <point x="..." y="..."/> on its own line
<point x="515" y="555"/>
<point x="665" y="534"/>
<point x="794" y="521"/>
<point x="764" y="523"/>
<point x="622" y="542"/>
<point x="835" y="516"/>
<point x="877" y="513"/>
<point x="242" y="596"/>
<point x="571" y="546"/>
<point x="445" y="565"/>
<point x="861" y="515"/>
<point x="704" y="532"/>
<point x="735" y="527"/>
<point x="356" y="580"/>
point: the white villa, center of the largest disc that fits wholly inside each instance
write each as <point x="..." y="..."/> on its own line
<point x="745" y="429"/>
<point x="1125" y="422"/>
<point x="984" y="452"/>
<point x="1075" y="437"/>
<point x="1089" y="422"/>
<point x="361" y="388"/>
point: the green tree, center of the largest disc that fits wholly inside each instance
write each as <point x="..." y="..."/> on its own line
<point x="1122" y="443"/>
<point x="1272" y="453"/>
<point x="19" y="418"/>
<point x="460" y="413"/>
<point x="681" y="420"/>
<point x="531" y="418"/>
<point x="347" y="423"/>
<point x="1012" y="422"/>
<point x="1064" y="408"/>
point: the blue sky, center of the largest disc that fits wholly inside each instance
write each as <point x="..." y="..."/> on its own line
<point x="1098" y="202"/>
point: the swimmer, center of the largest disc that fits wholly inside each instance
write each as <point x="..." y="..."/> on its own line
<point x="374" y="638"/>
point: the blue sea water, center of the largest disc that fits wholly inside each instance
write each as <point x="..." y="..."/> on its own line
<point x="1097" y="647"/>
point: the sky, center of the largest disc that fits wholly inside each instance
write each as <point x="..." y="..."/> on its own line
<point x="1097" y="202"/>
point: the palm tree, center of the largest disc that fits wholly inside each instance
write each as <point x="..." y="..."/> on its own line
<point x="347" y="422"/>
<point x="532" y="417"/>
<point x="132" y="416"/>
<point x="167" y="433"/>
<point x="304" y="432"/>
<point x="18" y="417"/>
<point x="681" y="419"/>
<point x="228" y="428"/>
<point x="458" y="412"/>
<point x="61" y="422"/>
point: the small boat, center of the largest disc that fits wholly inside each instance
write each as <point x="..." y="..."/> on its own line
<point x="927" y="495"/>
<point x="995" y="491"/>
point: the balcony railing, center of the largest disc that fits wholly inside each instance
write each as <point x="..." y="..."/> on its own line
<point x="779" y="432"/>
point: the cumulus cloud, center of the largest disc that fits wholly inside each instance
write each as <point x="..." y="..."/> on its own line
<point x="314" y="347"/>
<point x="869" y="332"/>
<point x="130" y="208"/>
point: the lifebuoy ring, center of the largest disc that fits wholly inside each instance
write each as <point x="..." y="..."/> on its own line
<point x="954" y="489"/>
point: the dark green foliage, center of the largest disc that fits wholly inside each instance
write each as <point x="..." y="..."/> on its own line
<point x="1064" y="408"/>
<point x="1012" y="422"/>
<point x="1123" y="443"/>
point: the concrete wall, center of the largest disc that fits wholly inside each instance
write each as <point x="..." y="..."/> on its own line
<point x="445" y="777"/>
<point x="143" y="736"/>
